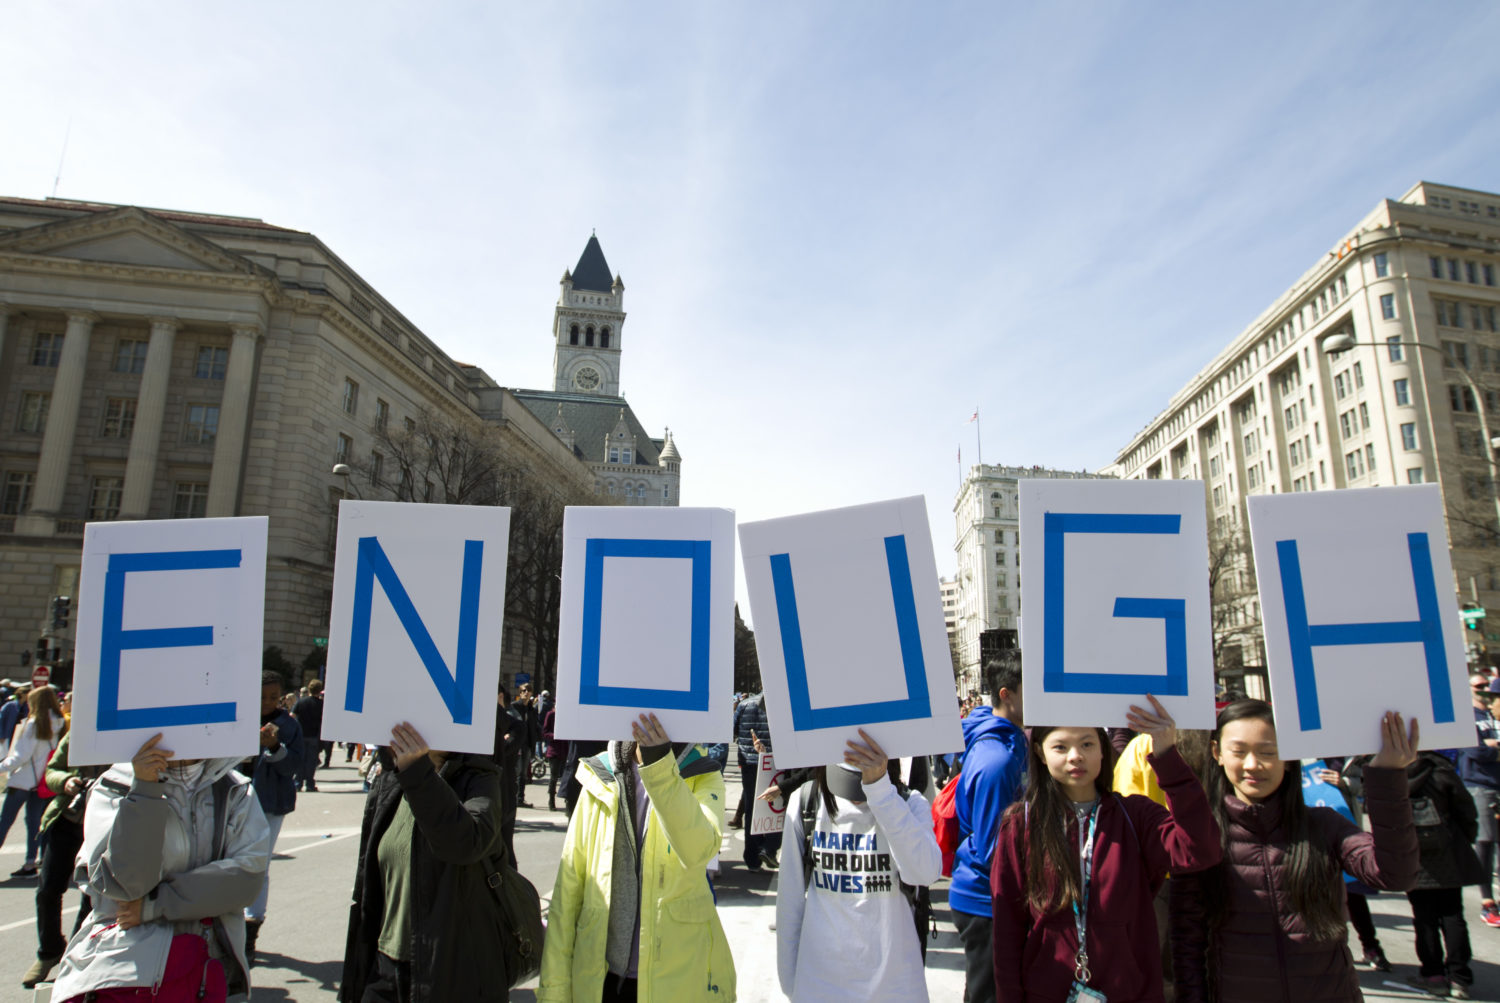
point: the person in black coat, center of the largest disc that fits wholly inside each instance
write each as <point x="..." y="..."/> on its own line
<point x="1446" y="825"/>
<point x="424" y="926"/>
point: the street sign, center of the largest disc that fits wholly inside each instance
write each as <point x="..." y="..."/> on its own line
<point x="41" y="675"/>
<point x="523" y="677"/>
<point x="1472" y="616"/>
<point x="320" y="642"/>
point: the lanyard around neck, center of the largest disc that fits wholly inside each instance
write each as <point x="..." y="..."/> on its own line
<point x="1081" y="906"/>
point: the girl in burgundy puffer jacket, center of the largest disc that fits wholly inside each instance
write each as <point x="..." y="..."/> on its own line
<point x="1078" y="865"/>
<point x="1269" y="923"/>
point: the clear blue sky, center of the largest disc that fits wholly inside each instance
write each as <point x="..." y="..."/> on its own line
<point x="841" y="226"/>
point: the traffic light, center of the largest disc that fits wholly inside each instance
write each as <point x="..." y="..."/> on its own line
<point x="62" y="608"/>
<point x="1473" y="618"/>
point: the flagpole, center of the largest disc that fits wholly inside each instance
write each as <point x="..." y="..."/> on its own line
<point x="978" y="439"/>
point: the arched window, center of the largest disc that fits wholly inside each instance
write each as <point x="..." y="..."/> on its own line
<point x="573" y="335"/>
<point x="588" y="335"/>
<point x="604" y="337"/>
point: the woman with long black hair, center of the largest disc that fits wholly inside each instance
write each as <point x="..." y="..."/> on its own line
<point x="1269" y="923"/>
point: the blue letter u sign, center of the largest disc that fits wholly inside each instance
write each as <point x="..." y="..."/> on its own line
<point x="806" y="717"/>
<point x="1426" y="630"/>
<point x="1171" y="612"/>
<point x="456" y="688"/>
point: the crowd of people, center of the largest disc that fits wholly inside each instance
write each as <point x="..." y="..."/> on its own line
<point x="1087" y="864"/>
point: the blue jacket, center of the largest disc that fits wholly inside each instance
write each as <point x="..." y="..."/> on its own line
<point x="1480" y="766"/>
<point x="750" y="716"/>
<point x="993" y="771"/>
<point x="275" y="774"/>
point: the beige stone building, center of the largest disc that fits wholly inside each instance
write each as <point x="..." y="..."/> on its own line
<point x="159" y="364"/>
<point x="1414" y="285"/>
<point x="987" y="535"/>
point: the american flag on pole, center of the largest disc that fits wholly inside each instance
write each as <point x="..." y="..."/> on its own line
<point x="973" y="417"/>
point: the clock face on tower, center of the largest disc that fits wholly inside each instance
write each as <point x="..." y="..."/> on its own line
<point x="586" y="378"/>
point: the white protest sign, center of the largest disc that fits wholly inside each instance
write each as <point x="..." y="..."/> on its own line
<point x="647" y="622"/>
<point x="1357" y="598"/>
<point x="1114" y="589"/>
<point x="169" y="638"/>
<point x="767" y="816"/>
<point x="850" y="634"/>
<point x="418" y="603"/>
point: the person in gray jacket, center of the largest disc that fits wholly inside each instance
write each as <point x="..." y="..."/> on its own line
<point x="170" y="848"/>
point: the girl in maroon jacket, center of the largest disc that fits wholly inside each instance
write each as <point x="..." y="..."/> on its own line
<point x="1076" y="864"/>
<point x="1269" y="923"/>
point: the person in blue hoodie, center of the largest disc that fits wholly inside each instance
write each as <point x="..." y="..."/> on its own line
<point x="993" y="774"/>
<point x="1479" y="767"/>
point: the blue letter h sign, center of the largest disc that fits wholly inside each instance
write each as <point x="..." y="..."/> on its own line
<point x="1426" y="630"/>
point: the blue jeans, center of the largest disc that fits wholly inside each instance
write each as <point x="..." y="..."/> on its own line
<point x="15" y="800"/>
<point x="256" y="912"/>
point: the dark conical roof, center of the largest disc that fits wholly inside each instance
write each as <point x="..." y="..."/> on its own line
<point x="592" y="271"/>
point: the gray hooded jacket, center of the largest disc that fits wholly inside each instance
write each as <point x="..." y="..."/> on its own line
<point x="154" y="841"/>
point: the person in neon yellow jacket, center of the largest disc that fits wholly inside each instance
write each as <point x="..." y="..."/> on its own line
<point x="632" y="914"/>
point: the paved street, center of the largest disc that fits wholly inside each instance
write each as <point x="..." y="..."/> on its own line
<point x="302" y="943"/>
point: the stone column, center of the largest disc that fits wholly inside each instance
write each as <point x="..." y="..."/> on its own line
<point x="150" y="408"/>
<point x="234" y="422"/>
<point x="62" y="420"/>
<point x="4" y="317"/>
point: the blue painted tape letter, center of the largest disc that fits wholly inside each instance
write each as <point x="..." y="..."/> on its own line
<point x="456" y="688"/>
<point x="1426" y="630"/>
<point x="1172" y="612"/>
<point x="114" y="639"/>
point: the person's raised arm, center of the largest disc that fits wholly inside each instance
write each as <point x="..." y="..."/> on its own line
<point x="1184" y="837"/>
<point x="459" y="832"/>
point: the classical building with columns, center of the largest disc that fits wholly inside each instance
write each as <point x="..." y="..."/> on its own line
<point x="158" y="364"/>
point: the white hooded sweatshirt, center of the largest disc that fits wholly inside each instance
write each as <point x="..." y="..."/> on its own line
<point x="851" y="935"/>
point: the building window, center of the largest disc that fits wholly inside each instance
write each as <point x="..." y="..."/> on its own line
<point x="351" y="396"/>
<point x="1354" y="465"/>
<point x="1471" y="272"/>
<point x="382" y="414"/>
<point x="1359" y="375"/>
<point x="119" y="418"/>
<point x="202" y="423"/>
<point x="1364" y="415"/>
<point x="1000" y="557"/>
<point x="33" y="413"/>
<point x="1453" y="269"/>
<point x="1414" y="475"/>
<point x="625" y="456"/>
<point x="1393" y="347"/>
<point x="1460" y="398"/>
<point x="614" y="454"/>
<point x="17" y="496"/>
<point x="211" y="363"/>
<point x="1489" y="275"/>
<point x="190" y="500"/>
<point x="1403" y="392"/>
<point x="341" y="451"/>
<point x="377" y="463"/>
<point x="1409" y="436"/>
<point x="1456" y="353"/>
<point x="130" y="356"/>
<point x="46" y="350"/>
<point x="1370" y="458"/>
<point x="1388" y="306"/>
<point x="573" y="335"/>
<point x="1341" y="386"/>
<point x="104" y="498"/>
<point x="410" y="424"/>
<point x="1346" y="423"/>
<point x="604" y="341"/>
<point x="588" y="339"/>
<point x="1435" y="266"/>
<point x="1000" y="536"/>
<point x="1382" y="265"/>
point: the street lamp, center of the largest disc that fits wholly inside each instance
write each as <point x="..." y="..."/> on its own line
<point x="343" y="470"/>
<point x="1337" y="343"/>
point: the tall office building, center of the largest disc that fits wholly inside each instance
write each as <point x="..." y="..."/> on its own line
<point x="1414" y="286"/>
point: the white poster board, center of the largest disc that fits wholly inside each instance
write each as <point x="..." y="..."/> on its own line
<point x="767" y="816"/>
<point x="647" y="622"/>
<point x="1114" y="592"/>
<point x="169" y="638"/>
<point x="414" y="636"/>
<point x="1357" y="598"/>
<point x="849" y="631"/>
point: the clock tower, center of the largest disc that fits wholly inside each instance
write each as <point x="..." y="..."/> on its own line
<point x="586" y="327"/>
